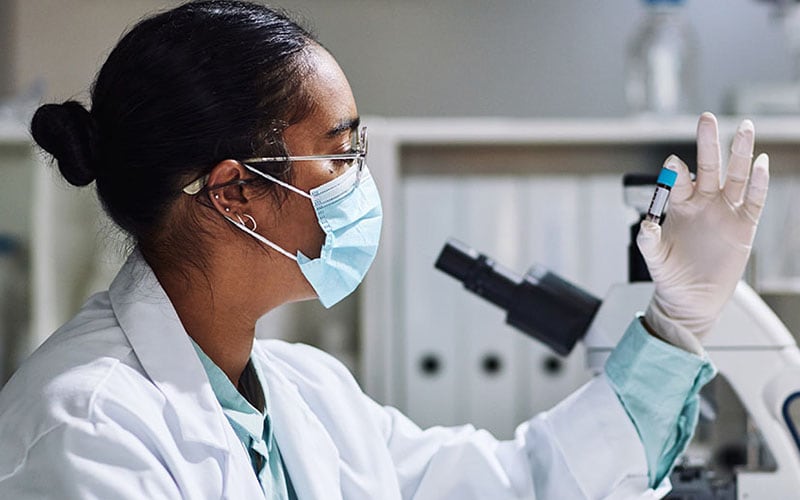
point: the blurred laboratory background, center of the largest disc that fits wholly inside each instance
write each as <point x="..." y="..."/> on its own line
<point x="507" y="124"/>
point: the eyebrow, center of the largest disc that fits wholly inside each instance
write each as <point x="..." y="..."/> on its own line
<point x="344" y="126"/>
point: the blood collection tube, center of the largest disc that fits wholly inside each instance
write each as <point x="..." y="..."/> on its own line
<point x="666" y="179"/>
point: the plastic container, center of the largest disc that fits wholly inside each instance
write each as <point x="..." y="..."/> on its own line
<point x="662" y="62"/>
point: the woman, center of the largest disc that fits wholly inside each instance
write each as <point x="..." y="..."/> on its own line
<point x="225" y="140"/>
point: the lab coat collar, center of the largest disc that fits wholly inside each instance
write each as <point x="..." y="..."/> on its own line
<point x="308" y="451"/>
<point x="162" y="346"/>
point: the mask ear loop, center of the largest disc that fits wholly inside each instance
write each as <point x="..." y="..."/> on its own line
<point x="277" y="181"/>
<point x="241" y="225"/>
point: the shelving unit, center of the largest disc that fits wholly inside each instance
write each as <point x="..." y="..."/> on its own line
<point x="17" y="164"/>
<point x="520" y="191"/>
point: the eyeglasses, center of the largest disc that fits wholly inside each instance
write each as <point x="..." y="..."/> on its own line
<point x="357" y="157"/>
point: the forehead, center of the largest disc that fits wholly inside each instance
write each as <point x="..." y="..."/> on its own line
<point x="328" y="87"/>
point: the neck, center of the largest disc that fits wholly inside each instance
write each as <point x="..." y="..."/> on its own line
<point x="226" y="338"/>
<point x="219" y="311"/>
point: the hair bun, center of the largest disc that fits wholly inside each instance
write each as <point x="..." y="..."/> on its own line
<point x="67" y="132"/>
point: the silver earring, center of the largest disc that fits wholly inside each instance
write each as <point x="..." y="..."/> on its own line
<point x="216" y="196"/>
<point x="252" y="220"/>
<point x="227" y="209"/>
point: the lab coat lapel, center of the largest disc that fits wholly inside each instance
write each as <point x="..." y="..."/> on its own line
<point x="162" y="346"/>
<point x="308" y="452"/>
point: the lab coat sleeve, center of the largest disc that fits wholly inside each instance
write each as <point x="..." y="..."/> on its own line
<point x="89" y="460"/>
<point x="616" y="437"/>
<point x="584" y="448"/>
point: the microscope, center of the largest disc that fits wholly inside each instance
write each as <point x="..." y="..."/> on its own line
<point x="755" y="397"/>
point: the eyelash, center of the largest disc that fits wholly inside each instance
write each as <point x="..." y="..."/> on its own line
<point x="339" y="163"/>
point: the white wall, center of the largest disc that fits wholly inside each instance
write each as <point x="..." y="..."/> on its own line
<point x="443" y="57"/>
<point x="6" y="42"/>
<point x="65" y="41"/>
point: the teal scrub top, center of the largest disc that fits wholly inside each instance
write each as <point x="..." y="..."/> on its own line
<point x="658" y="384"/>
<point x="253" y="427"/>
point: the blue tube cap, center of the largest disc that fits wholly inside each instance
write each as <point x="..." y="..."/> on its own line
<point x="667" y="177"/>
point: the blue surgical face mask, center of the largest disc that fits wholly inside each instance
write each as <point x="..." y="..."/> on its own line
<point x="349" y="211"/>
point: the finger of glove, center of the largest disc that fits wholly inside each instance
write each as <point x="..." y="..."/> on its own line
<point x="649" y="242"/>
<point x="708" y="155"/>
<point x="757" y="190"/>
<point x="739" y="163"/>
<point x="683" y="188"/>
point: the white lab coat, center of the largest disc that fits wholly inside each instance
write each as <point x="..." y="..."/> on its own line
<point x="116" y="405"/>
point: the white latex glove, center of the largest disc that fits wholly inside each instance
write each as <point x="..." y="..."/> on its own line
<point x="700" y="253"/>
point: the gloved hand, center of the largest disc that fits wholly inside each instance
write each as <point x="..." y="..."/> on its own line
<point x="700" y="253"/>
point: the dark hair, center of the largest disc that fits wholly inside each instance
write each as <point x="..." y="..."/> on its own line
<point x="181" y="91"/>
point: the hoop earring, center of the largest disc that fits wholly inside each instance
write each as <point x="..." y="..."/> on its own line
<point x="255" y="225"/>
<point x="242" y="222"/>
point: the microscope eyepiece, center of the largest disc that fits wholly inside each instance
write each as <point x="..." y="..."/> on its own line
<point x="479" y="274"/>
<point x="540" y="303"/>
<point x="456" y="259"/>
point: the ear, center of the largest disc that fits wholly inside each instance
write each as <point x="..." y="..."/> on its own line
<point x="229" y="200"/>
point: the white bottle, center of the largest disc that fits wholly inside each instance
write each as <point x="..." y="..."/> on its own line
<point x="662" y="62"/>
